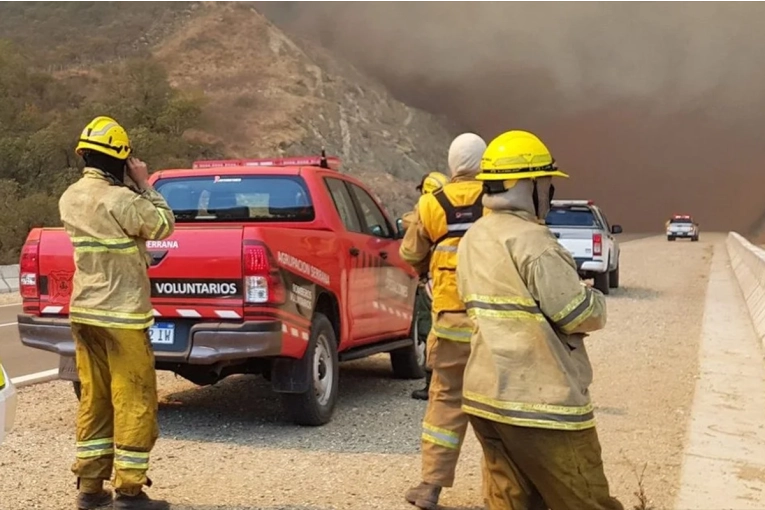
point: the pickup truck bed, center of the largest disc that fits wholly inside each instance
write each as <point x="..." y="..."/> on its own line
<point x="276" y="267"/>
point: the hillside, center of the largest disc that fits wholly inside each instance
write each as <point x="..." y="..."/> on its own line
<point x="269" y="95"/>
<point x="264" y="94"/>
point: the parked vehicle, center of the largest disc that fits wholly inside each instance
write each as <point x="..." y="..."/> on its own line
<point x="583" y="229"/>
<point x="8" y="402"/>
<point x="682" y="226"/>
<point x="280" y="267"/>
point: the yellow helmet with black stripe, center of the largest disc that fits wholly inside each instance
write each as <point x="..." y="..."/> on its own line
<point x="105" y="135"/>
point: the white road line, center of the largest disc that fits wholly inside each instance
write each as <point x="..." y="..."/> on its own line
<point x="10" y="305"/>
<point x="26" y="380"/>
<point x="8" y="324"/>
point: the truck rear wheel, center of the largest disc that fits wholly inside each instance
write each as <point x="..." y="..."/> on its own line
<point x="409" y="362"/>
<point x="601" y="282"/>
<point x="670" y="238"/>
<point x="696" y="238"/>
<point x="315" y="406"/>
<point x="613" y="278"/>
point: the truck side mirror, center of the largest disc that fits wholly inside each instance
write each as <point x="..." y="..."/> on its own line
<point x="616" y="229"/>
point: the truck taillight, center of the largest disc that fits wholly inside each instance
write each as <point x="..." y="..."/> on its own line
<point x="597" y="244"/>
<point x="29" y="270"/>
<point x="262" y="281"/>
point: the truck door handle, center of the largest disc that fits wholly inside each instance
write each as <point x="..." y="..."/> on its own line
<point x="354" y="252"/>
<point x="383" y="255"/>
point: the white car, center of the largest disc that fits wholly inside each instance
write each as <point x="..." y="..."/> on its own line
<point x="583" y="229"/>
<point x="682" y="226"/>
<point x="7" y="403"/>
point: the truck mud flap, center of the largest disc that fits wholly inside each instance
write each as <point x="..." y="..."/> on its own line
<point x="67" y="369"/>
<point x="290" y="375"/>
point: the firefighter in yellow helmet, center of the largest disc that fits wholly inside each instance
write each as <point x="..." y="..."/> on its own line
<point x="110" y="313"/>
<point x="424" y="301"/>
<point x="441" y="219"/>
<point x="526" y="382"/>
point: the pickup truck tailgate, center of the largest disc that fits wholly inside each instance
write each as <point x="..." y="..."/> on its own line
<point x="212" y="253"/>
<point x="577" y="241"/>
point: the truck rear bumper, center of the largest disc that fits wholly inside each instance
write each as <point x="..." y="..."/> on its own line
<point x="591" y="266"/>
<point x="207" y="343"/>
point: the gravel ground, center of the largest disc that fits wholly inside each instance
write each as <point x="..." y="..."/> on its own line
<point x="227" y="447"/>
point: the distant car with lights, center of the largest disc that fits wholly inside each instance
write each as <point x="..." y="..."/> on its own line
<point x="583" y="229"/>
<point x="682" y="226"/>
<point x="8" y="400"/>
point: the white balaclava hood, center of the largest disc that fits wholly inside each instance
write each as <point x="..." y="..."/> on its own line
<point x="465" y="155"/>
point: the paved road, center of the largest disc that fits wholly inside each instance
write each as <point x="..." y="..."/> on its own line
<point x="20" y="360"/>
<point x="17" y="359"/>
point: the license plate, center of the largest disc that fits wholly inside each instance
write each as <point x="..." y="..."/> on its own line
<point x="162" y="334"/>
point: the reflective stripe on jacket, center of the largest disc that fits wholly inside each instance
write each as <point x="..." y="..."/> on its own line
<point x="108" y="225"/>
<point x="528" y="365"/>
<point x="441" y="219"/>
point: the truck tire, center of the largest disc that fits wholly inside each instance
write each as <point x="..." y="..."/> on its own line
<point x="694" y="239"/>
<point x="601" y="282"/>
<point x="670" y="238"/>
<point x="315" y="406"/>
<point x="409" y="362"/>
<point x="77" y="386"/>
<point x="613" y="278"/>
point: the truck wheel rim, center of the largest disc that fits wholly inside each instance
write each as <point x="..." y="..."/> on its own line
<point x="419" y="348"/>
<point x="323" y="370"/>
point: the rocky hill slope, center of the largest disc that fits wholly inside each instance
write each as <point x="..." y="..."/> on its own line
<point x="268" y="95"/>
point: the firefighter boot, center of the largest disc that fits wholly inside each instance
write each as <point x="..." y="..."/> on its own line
<point x="140" y="501"/>
<point x="424" y="496"/>
<point x="93" y="501"/>
<point x="423" y="393"/>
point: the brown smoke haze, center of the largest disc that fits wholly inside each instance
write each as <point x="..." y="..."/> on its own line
<point x="653" y="108"/>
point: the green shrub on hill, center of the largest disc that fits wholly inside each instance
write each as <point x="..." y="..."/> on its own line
<point x="41" y="117"/>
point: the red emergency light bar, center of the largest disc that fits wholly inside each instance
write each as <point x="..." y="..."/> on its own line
<point x="330" y="162"/>
<point x="683" y="216"/>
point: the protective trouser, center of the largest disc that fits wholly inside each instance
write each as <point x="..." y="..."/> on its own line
<point x="444" y="426"/>
<point x="536" y="469"/>
<point x="117" y="419"/>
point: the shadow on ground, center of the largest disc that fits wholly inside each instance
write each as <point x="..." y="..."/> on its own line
<point x="634" y="293"/>
<point x="244" y="410"/>
<point x="292" y="507"/>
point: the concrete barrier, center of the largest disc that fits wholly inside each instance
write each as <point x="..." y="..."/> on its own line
<point x="9" y="278"/>
<point x="748" y="264"/>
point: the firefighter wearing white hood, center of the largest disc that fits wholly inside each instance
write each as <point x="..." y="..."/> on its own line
<point x="441" y="219"/>
<point x="527" y="380"/>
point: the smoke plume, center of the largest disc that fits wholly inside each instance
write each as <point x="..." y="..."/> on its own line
<point x="653" y="108"/>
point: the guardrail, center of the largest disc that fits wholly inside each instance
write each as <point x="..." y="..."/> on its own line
<point x="9" y="279"/>
<point x="748" y="264"/>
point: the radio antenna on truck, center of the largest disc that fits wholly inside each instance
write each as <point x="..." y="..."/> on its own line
<point x="323" y="163"/>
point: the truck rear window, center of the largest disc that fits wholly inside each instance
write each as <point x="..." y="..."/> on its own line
<point x="570" y="217"/>
<point x="237" y="198"/>
<point x="680" y="221"/>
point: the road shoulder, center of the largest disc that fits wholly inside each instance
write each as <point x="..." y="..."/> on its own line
<point x="724" y="460"/>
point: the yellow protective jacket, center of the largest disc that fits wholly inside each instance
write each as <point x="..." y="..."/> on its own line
<point x="528" y="365"/>
<point x="108" y="225"/>
<point x="440" y="220"/>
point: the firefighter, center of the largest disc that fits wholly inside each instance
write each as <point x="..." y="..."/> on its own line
<point x="527" y="378"/>
<point x="110" y="313"/>
<point x="440" y="220"/>
<point x="424" y="299"/>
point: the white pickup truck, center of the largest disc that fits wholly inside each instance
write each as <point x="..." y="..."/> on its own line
<point x="583" y="229"/>
<point x="682" y="226"/>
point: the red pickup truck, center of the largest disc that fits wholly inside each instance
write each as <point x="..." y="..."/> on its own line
<point x="279" y="267"/>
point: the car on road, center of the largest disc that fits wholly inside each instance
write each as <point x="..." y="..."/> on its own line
<point x="682" y="226"/>
<point x="8" y="402"/>
<point x="278" y="267"/>
<point x="583" y="229"/>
